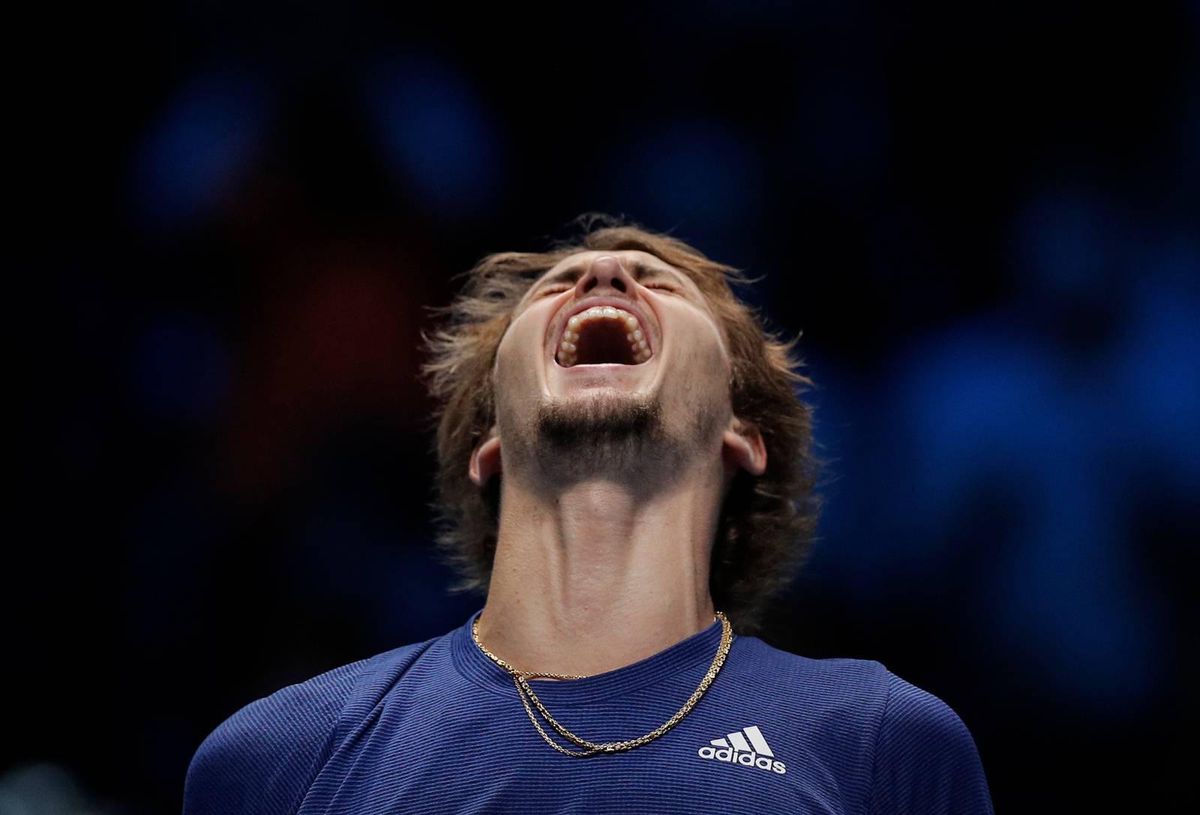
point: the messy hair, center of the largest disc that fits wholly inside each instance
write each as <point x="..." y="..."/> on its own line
<point x="766" y="523"/>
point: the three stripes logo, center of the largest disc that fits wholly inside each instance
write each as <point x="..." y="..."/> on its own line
<point x="746" y="747"/>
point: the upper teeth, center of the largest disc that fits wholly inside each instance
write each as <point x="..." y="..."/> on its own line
<point x="567" y="349"/>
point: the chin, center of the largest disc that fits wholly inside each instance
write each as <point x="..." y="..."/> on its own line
<point x="603" y="414"/>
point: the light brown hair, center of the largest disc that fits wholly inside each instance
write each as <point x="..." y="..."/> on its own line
<point x="766" y="522"/>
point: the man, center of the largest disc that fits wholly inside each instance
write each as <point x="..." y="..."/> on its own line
<point x="625" y="469"/>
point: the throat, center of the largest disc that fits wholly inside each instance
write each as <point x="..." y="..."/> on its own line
<point x="602" y="539"/>
<point x="597" y="577"/>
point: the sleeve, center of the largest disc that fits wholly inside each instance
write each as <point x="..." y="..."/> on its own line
<point x="926" y="762"/>
<point x="263" y="758"/>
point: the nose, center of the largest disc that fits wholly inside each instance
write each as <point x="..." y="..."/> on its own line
<point x="604" y="275"/>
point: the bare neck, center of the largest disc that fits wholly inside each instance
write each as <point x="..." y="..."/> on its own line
<point x="597" y="576"/>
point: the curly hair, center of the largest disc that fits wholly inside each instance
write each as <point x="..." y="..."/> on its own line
<point x="767" y="522"/>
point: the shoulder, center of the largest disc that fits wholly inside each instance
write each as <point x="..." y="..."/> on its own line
<point x="925" y="758"/>
<point x="900" y="748"/>
<point x="913" y="712"/>
<point x="864" y="691"/>
<point x="846" y="688"/>
<point x="263" y="758"/>
<point x="828" y="709"/>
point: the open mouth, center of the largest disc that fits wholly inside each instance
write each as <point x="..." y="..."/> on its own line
<point x="600" y="335"/>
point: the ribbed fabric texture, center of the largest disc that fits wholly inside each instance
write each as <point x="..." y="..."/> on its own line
<point x="436" y="727"/>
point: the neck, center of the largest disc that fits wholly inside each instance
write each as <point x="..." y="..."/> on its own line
<point x="599" y="575"/>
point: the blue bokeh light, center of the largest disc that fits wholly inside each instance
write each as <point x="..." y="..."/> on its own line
<point x="1067" y="243"/>
<point x="199" y="146"/>
<point x="699" y="176"/>
<point x="1156" y="374"/>
<point x="436" y="134"/>
<point x="990" y="423"/>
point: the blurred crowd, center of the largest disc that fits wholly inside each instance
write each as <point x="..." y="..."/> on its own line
<point x="981" y="223"/>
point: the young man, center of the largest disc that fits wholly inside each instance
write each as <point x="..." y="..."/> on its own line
<point x="625" y="469"/>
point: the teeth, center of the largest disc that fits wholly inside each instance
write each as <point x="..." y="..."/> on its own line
<point x="568" y="348"/>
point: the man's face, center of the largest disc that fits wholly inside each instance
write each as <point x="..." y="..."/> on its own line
<point x="610" y="344"/>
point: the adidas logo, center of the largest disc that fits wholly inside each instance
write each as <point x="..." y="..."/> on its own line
<point x="746" y="747"/>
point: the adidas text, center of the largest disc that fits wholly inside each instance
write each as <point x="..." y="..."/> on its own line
<point x="745" y="759"/>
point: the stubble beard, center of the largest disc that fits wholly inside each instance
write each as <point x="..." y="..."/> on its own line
<point x="604" y="434"/>
<point x="613" y="435"/>
<point x="601" y="417"/>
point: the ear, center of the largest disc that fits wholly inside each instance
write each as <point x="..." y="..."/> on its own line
<point x="742" y="447"/>
<point x="485" y="461"/>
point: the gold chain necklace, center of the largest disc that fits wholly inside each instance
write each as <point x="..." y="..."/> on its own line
<point x="527" y="695"/>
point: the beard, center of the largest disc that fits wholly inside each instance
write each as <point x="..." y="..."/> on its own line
<point x="615" y="435"/>
<point x="599" y="420"/>
<point x="605" y="434"/>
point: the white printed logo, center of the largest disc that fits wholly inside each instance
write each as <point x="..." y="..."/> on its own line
<point x="746" y="747"/>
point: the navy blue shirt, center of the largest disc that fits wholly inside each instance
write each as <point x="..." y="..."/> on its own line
<point x="436" y="727"/>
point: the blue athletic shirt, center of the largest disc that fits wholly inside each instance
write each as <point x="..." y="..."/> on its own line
<point x="437" y="727"/>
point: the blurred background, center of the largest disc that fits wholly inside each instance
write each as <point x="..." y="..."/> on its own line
<point x="233" y="219"/>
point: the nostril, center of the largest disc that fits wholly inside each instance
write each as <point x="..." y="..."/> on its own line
<point x="594" y="281"/>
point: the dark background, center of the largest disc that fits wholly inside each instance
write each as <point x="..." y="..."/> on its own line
<point x="232" y="222"/>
